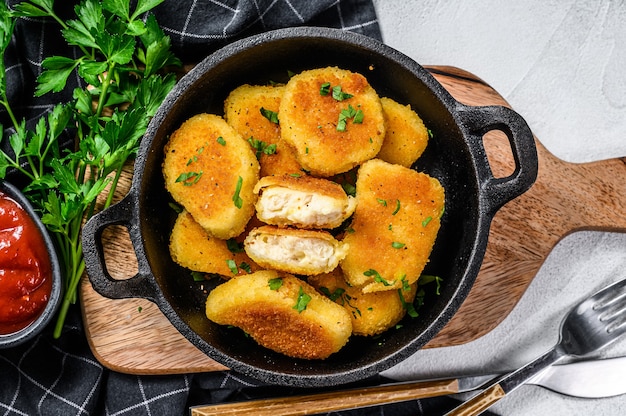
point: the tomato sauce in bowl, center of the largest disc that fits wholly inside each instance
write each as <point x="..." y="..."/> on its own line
<point x="25" y="268"/>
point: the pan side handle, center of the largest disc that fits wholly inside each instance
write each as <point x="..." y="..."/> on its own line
<point x="478" y="121"/>
<point x="141" y="285"/>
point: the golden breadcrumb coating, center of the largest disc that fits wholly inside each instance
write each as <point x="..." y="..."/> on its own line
<point x="272" y="308"/>
<point x="406" y="136"/>
<point x="302" y="201"/>
<point x="394" y="227"/>
<point x="242" y="110"/>
<point x="294" y="250"/>
<point x="372" y="313"/>
<point x="192" y="247"/>
<point x="309" y="120"/>
<point x="211" y="171"/>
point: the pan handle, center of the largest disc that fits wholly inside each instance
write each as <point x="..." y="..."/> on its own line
<point x="480" y="120"/>
<point x="141" y="285"/>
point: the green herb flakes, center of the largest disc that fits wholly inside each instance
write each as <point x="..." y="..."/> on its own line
<point x="275" y="283"/>
<point x="197" y="276"/>
<point x="302" y="301"/>
<point x="189" y="178"/>
<point x="270" y="115"/>
<point x="221" y="141"/>
<point x="377" y="277"/>
<point x="426" y="221"/>
<point x="397" y="245"/>
<point x="232" y="266"/>
<point x="325" y="89"/>
<point x="395" y="211"/>
<point x="261" y="147"/>
<point x="236" y="198"/>
<point x="339" y="95"/>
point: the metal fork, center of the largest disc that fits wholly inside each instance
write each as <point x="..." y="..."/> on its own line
<point x="593" y="324"/>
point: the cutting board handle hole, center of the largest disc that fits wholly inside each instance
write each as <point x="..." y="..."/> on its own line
<point x="119" y="255"/>
<point x="499" y="153"/>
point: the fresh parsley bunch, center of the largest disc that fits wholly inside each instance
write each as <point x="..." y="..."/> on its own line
<point x="123" y="56"/>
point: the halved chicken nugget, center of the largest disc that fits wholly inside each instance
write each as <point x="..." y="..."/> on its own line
<point x="211" y="171"/>
<point x="333" y="118"/>
<point x="252" y="110"/>
<point x="372" y="313"/>
<point x="282" y="313"/>
<point x="192" y="247"/>
<point x="294" y="250"/>
<point x="302" y="201"/>
<point x="406" y="136"/>
<point x="394" y="226"/>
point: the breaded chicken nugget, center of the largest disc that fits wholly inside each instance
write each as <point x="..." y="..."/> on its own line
<point x="394" y="226"/>
<point x="302" y="201"/>
<point x="406" y="136"/>
<point x="192" y="247"/>
<point x="252" y="111"/>
<point x="211" y="171"/>
<point x="282" y="313"/>
<point x="294" y="250"/>
<point x="333" y="118"/>
<point x="372" y="313"/>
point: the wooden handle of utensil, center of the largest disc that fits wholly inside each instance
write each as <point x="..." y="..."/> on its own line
<point x="328" y="402"/>
<point x="479" y="403"/>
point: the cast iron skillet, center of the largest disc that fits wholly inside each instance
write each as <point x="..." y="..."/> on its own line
<point x="455" y="156"/>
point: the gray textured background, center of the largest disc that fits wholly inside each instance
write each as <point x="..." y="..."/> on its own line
<point x="561" y="65"/>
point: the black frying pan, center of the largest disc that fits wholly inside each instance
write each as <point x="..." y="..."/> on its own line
<point x="455" y="156"/>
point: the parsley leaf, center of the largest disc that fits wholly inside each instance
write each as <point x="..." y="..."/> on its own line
<point x="302" y="301"/>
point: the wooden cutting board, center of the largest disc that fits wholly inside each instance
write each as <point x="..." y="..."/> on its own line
<point x="133" y="336"/>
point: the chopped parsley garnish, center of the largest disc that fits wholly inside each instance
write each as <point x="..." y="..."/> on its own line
<point x="335" y="91"/>
<point x="275" y="283"/>
<point x="349" y="114"/>
<point x="221" y="141"/>
<point x="232" y="266"/>
<point x="234" y="246"/>
<point x="427" y="278"/>
<point x="189" y="178"/>
<point x="303" y="301"/>
<point x="270" y="115"/>
<point x="335" y="295"/>
<point x="246" y="267"/>
<point x="395" y="211"/>
<point x="340" y="95"/>
<point x="382" y="202"/>
<point x="198" y="276"/>
<point x="426" y="221"/>
<point x="261" y="147"/>
<point x="236" y="198"/>
<point x="377" y="277"/>
<point x="398" y="245"/>
<point x="325" y="88"/>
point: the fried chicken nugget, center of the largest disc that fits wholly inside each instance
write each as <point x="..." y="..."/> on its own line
<point x="192" y="247"/>
<point x="302" y="201"/>
<point x="244" y="110"/>
<point x="406" y="136"/>
<point x="294" y="250"/>
<point x="282" y="313"/>
<point x="372" y="313"/>
<point x="211" y="171"/>
<point x="333" y="118"/>
<point x="394" y="226"/>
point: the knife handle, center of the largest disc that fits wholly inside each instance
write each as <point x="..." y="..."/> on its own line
<point x="479" y="403"/>
<point x="331" y="401"/>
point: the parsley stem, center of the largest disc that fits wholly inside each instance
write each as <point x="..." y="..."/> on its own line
<point x="108" y="79"/>
<point x="5" y="104"/>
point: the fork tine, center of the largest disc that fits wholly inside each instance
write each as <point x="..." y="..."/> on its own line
<point x="609" y="295"/>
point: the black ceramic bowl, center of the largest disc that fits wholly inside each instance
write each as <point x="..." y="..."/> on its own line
<point x="54" y="300"/>
<point x="455" y="156"/>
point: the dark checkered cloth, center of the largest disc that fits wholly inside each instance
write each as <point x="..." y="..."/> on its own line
<point x="62" y="377"/>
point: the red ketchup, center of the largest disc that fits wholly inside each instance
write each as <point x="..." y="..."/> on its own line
<point x="25" y="269"/>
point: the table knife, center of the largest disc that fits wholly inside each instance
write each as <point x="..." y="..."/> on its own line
<point x="587" y="379"/>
